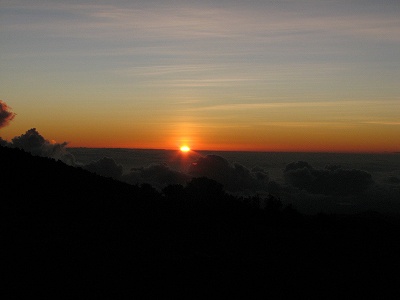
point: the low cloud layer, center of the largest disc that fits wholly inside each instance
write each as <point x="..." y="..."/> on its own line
<point x="333" y="180"/>
<point x="106" y="167"/>
<point x="6" y="115"/>
<point x="158" y="175"/>
<point x="234" y="177"/>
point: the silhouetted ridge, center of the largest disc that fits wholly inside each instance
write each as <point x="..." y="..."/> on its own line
<point x="66" y="229"/>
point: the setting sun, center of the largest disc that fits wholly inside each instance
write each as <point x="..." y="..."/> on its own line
<point x="185" y="149"/>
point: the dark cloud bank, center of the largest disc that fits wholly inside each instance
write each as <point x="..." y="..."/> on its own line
<point x="333" y="180"/>
<point x="332" y="189"/>
<point x="234" y="177"/>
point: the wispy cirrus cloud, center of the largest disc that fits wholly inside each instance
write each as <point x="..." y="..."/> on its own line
<point x="305" y="124"/>
<point x="246" y="106"/>
<point x="191" y="21"/>
<point x="389" y="123"/>
<point x="162" y="70"/>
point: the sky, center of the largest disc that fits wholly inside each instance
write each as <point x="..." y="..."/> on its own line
<point x="289" y="75"/>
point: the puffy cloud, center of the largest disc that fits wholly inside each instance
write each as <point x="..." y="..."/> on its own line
<point x="36" y="144"/>
<point x="333" y="180"/>
<point x="105" y="167"/>
<point x="299" y="174"/>
<point x="30" y="141"/>
<point x="159" y="175"/>
<point x="234" y="177"/>
<point x="6" y="115"/>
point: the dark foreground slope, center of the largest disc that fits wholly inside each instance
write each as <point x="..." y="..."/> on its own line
<point x="66" y="231"/>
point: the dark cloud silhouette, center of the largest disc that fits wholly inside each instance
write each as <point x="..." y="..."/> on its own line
<point x="234" y="177"/>
<point x="106" y="167"/>
<point x="159" y="175"/>
<point x="6" y="115"/>
<point x="333" y="180"/>
<point x="31" y="141"/>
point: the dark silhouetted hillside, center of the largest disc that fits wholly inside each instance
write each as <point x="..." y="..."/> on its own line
<point x="66" y="231"/>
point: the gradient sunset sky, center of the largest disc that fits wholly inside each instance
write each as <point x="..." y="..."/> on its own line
<point x="282" y="75"/>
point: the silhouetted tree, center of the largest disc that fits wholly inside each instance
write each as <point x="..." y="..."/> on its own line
<point x="273" y="204"/>
<point x="173" y="191"/>
<point x="252" y="201"/>
<point x="205" y="188"/>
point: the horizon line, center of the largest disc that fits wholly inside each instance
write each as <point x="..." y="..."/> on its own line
<point x="255" y="151"/>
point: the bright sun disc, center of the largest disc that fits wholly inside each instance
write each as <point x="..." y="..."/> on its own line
<point x="185" y="149"/>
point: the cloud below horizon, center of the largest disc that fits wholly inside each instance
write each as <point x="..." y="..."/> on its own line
<point x="333" y="180"/>
<point x="234" y="177"/>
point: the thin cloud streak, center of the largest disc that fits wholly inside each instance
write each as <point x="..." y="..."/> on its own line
<point x="244" y="106"/>
<point x="383" y="123"/>
<point x="160" y="70"/>
<point x="212" y="75"/>
<point x="305" y="124"/>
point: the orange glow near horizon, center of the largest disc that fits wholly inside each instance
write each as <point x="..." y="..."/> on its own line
<point x="274" y="145"/>
<point x="346" y="138"/>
